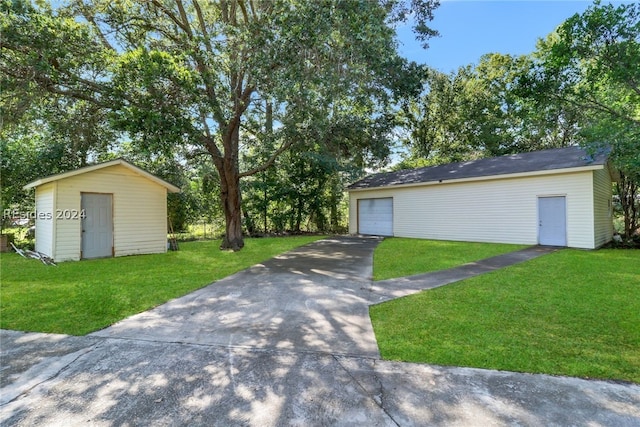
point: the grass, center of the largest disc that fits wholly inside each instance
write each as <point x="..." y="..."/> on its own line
<point x="572" y="313"/>
<point x="399" y="257"/>
<point x="80" y="297"/>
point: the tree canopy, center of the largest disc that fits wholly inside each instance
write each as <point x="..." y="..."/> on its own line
<point x="480" y="111"/>
<point x="580" y="86"/>
<point x="274" y="105"/>
<point x="592" y="64"/>
<point x="209" y="76"/>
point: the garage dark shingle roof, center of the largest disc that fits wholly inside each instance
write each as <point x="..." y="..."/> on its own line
<point x="545" y="160"/>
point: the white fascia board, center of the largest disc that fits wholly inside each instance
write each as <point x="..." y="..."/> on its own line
<point x="485" y="178"/>
<point x="170" y="187"/>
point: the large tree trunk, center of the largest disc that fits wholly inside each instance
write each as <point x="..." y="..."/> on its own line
<point x="230" y="196"/>
<point x="628" y="193"/>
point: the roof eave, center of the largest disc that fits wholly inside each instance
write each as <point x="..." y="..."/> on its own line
<point x="170" y="187"/>
<point x="485" y="178"/>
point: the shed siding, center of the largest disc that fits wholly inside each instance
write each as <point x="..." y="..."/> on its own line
<point x="602" y="194"/>
<point x="579" y="209"/>
<point x="68" y="231"/>
<point x="139" y="211"/>
<point x="45" y="208"/>
<point x="498" y="210"/>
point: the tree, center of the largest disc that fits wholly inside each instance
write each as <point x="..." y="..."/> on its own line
<point x="480" y="111"/>
<point x="591" y="64"/>
<point x="303" y="193"/>
<point x="48" y="137"/>
<point x="191" y="72"/>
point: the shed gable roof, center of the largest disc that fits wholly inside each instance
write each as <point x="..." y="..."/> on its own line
<point x="170" y="187"/>
<point x="536" y="161"/>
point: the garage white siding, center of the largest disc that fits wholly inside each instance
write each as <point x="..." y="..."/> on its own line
<point x="602" y="210"/>
<point x="375" y="216"/>
<point x="501" y="210"/>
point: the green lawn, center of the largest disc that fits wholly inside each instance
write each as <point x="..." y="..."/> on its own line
<point x="572" y="312"/>
<point x="80" y="297"/>
<point x="399" y="257"/>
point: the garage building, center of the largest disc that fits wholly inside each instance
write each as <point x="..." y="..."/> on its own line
<point x="104" y="210"/>
<point x="558" y="197"/>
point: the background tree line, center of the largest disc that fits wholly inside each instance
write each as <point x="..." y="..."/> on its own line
<point x="581" y="86"/>
<point x="185" y="79"/>
<point x="262" y="123"/>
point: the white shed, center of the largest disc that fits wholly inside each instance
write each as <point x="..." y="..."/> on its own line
<point x="558" y="197"/>
<point x="104" y="210"/>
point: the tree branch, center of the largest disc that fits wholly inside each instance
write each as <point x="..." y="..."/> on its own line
<point x="91" y="19"/>
<point x="170" y="15"/>
<point x="203" y="27"/>
<point x="266" y="165"/>
<point x="201" y="66"/>
<point x="597" y="105"/>
<point x="185" y="19"/>
<point x="585" y="102"/>
<point x="52" y="88"/>
<point x="208" y="140"/>
<point x="243" y="8"/>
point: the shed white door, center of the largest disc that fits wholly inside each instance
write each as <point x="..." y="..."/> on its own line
<point x="552" y="221"/>
<point x="97" y="225"/>
<point x="375" y="216"/>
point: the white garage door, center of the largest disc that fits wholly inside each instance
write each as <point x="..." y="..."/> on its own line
<point x="375" y="216"/>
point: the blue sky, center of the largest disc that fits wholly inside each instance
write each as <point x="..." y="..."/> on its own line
<point x="470" y="28"/>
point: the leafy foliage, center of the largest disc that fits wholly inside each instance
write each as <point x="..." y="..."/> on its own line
<point x="480" y="111"/>
<point x="581" y="86"/>
<point x="196" y="75"/>
<point x="591" y="64"/>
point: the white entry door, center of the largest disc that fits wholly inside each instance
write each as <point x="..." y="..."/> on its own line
<point x="552" y="221"/>
<point x="375" y="216"/>
<point x="97" y="225"/>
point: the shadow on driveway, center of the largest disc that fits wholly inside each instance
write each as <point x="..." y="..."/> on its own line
<point x="287" y="342"/>
<point x="314" y="298"/>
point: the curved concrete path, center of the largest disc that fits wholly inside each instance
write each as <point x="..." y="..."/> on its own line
<point x="287" y="342"/>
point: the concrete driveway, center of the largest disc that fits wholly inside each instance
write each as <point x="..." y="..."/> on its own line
<point x="314" y="299"/>
<point x="288" y="342"/>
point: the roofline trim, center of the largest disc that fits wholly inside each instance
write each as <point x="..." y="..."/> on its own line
<point x="486" y="178"/>
<point x="170" y="187"/>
